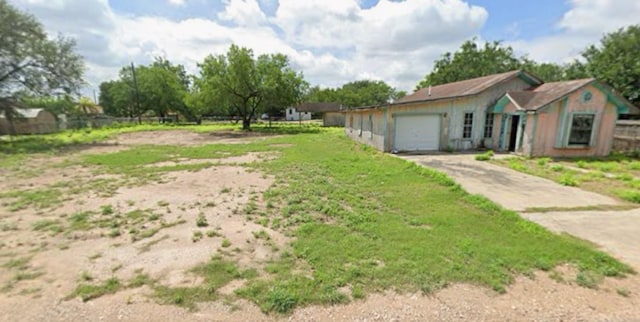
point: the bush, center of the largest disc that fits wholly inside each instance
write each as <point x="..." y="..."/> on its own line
<point x="485" y="156"/>
<point x="557" y="168"/>
<point x="568" y="180"/>
<point x="543" y="161"/>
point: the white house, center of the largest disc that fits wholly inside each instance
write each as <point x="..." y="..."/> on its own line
<point x="292" y="114"/>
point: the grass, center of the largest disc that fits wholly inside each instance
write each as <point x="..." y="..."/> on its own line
<point x="216" y="273"/>
<point x="38" y="198"/>
<point x="88" y="292"/>
<point x="484" y="156"/>
<point x="359" y="218"/>
<point x="617" y="176"/>
<point x="363" y="219"/>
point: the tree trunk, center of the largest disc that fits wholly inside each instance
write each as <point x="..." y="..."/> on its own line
<point x="246" y="124"/>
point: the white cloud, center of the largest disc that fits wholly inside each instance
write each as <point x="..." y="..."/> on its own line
<point x="583" y="25"/>
<point x="332" y="42"/>
<point x="243" y="13"/>
<point x="178" y="3"/>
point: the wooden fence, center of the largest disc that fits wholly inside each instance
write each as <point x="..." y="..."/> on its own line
<point x="627" y="136"/>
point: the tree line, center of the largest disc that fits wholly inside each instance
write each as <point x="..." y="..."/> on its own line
<point x="614" y="61"/>
<point x="36" y="70"/>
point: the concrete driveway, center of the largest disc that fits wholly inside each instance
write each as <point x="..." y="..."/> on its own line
<point x="512" y="189"/>
<point x="617" y="232"/>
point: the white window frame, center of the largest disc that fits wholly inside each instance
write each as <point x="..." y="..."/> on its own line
<point x="570" y="127"/>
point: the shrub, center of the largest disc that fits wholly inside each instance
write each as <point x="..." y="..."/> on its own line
<point x="543" y="161"/>
<point x="485" y="156"/>
<point x="201" y="221"/>
<point x="557" y="168"/>
<point x="568" y="180"/>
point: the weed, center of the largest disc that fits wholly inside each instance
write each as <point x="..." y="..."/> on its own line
<point x="86" y="277"/>
<point x="106" y="210"/>
<point x="212" y="233"/>
<point x="226" y="243"/>
<point x="201" y="220"/>
<point x="88" y="292"/>
<point x="568" y="180"/>
<point x="139" y="280"/>
<point x="588" y="279"/>
<point x="557" y="167"/>
<point x="163" y="203"/>
<point x="630" y="195"/>
<point x="17" y="263"/>
<point x="624" y="292"/>
<point x="225" y="190"/>
<point x="8" y="226"/>
<point x="197" y="235"/>
<point x="52" y="225"/>
<point x="543" y="161"/>
<point x="484" y="156"/>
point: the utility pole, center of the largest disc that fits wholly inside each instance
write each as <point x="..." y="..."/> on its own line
<point x="135" y="87"/>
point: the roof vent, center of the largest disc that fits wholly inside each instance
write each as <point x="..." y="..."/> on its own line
<point x="429" y="91"/>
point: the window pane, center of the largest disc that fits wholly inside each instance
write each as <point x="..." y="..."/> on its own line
<point x="467" y="125"/>
<point x="581" y="128"/>
<point x="488" y="126"/>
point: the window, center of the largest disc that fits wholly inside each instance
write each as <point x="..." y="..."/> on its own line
<point x="581" y="129"/>
<point x="467" y="126"/>
<point x="290" y="111"/>
<point x="488" y="126"/>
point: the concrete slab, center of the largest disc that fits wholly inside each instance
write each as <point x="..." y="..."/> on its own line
<point x="512" y="189"/>
<point x="617" y="232"/>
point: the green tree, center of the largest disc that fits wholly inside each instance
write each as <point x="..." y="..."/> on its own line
<point x="31" y="63"/>
<point x="616" y="62"/>
<point x="471" y="61"/>
<point x="159" y="88"/>
<point x="117" y="98"/>
<point x="355" y="94"/>
<point x="237" y="83"/>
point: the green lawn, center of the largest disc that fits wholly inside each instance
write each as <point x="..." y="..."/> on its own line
<point x="617" y="176"/>
<point x="364" y="222"/>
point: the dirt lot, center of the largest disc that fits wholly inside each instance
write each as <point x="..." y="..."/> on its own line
<point x="39" y="289"/>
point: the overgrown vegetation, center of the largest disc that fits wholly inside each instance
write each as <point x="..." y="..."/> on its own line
<point x="617" y="176"/>
<point x="363" y="222"/>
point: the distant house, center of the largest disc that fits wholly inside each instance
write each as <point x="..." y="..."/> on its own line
<point x="29" y="121"/>
<point x="332" y="113"/>
<point x="291" y="114"/>
<point x="512" y="111"/>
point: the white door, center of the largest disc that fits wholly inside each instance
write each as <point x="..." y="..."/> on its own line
<point x="417" y="132"/>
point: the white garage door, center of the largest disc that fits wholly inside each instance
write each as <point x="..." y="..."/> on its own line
<point x="417" y="132"/>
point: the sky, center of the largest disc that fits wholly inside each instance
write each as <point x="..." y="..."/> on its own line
<point x="331" y="41"/>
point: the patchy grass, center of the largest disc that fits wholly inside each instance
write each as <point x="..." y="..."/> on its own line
<point x="359" y="218"/>
<point x="617" y="176"/>
<point x="484" y="156"/>
<point x="216" y="273"/>
<point x="38" y="198"/>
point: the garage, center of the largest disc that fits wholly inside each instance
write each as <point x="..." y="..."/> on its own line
<point x="417" y="132"/>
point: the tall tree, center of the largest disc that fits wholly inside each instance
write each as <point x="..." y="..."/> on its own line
<point x="239" y="84"/>
<point x="355" y="94"/>
<point x="615" y="61"/>
<point x="31" y="63"/>
<point x="159" y="88"/>
<point x="471" y="61"/>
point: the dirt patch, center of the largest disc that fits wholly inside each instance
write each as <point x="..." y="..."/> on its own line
<point x="237" y="160"/>
<point x="183" y="137"/>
